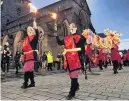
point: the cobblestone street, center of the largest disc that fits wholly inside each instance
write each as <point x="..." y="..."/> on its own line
<point x="105" y="86"/>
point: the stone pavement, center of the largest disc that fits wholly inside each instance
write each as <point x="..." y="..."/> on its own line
<point x="106" y="86"/>
<point x="11" y="76"/>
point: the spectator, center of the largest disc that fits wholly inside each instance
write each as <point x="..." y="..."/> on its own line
<point x="17" y="61"/>
<point x="49" y="60"/>
<point x="8" y="58"/>
<point x="44" y="62"/>
<point x="58" y="61"/>
<point x="3" y="62"/>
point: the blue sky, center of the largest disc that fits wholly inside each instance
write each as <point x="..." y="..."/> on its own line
<point x="112" y="14"/>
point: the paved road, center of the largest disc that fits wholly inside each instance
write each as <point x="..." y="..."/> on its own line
<point x="106" y="86"/>
<point x="11" y="76"/>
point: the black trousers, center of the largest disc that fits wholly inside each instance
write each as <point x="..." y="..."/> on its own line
<point x="27" y="76"/>
<point x="5" y="65"/>
<point x="2" y="65"/>
<point x="109" y="62"/>
<point x="127" y="62"/>
<point x="100" y="64"/>
<point x="120" y="66"/>
<point x="58" y="64"/>
<point x="115" y="65"/>
<point x="74" y="86"/>
<point x="8" y="66"/>
<point x="49" y="66"/>
<point x="88" y="62"/>
<point x="105" y="63"/>
<point x="18" y="65"/>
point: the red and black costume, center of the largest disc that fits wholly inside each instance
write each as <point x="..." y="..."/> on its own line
<point x="100" y="57"/>
<point x="88" y="53"/>
<point x="115" y="58"/>
<point x="29" y="57"/>
<point x="30" y="44"/>
<point x="105" y="58"/>
<point x="73" y="60"/>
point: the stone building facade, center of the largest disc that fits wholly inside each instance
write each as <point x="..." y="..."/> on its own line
<point x="68" y="11"/>
<point x="12" y="10"/>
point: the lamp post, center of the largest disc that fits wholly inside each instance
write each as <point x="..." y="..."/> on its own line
<point x="34" y="9"/>
<point x="53" y="15"/>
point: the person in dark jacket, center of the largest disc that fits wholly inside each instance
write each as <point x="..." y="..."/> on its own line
<point x="17" y="61"/>
<point x="43" y="60"/>
<point x="8" y="53"/>
<point x="58" y="61"/>
<point x="4" y="59"/>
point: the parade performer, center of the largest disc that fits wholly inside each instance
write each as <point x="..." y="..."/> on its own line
<point x="74" y="52"/>
<point x="88" y="53"/>
<point x="115" y="58"/>
<point x="120" y="61"/>
<point x="100" y="57"/>
<point x="29" y="55"/>
<point x="125" y="59"/>
<point x="109" y="59"/>
<point x="127" y="55"/>
<point x="17" y="61"/>
<point x="105" y="58"/>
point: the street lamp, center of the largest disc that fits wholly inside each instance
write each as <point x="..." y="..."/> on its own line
<point x="53" y="15"/>
<point x="1" y="3"/>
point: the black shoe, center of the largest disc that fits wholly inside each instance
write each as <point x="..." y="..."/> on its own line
<point x="114" y="72"/>
<point x="24" y="86"/>
<point x="31" y="85"/>
<point x="69" y="97"/>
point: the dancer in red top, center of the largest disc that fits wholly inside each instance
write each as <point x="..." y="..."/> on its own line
<point x="100" y="57"/>
<point x="105" y="57"/>
<point x="88" y="53"/>
<point x="73" y="60"/>
<point x="29" y="55"/>
<point x="115" y="58"/>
